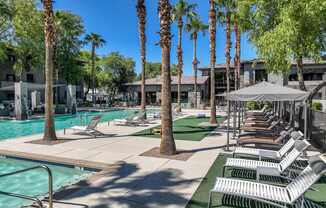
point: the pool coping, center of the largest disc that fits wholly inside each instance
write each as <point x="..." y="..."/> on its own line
<point x="55" y="159"/>
<point x="99" y="170"/>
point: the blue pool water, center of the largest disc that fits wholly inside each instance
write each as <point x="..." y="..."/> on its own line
<point x="35" y="182"/>
<point x="14" y="129"/>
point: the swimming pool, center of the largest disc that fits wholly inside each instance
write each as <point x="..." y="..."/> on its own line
<point x="35" y="182"/>
<point x="13" y="129"/>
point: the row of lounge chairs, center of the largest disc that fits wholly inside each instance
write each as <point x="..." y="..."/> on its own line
<point x="137" y="119"/>
<point x="262" y="128"/>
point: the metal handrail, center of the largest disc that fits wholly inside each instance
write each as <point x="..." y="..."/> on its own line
<point x="36" y="200"/>
<point x="50" y="179"/>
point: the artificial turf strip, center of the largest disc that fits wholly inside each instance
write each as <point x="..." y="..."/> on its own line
<point x="200" y="197"/>
<point x="185" y="129"/>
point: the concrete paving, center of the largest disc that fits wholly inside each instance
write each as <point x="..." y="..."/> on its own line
<point x="138" y="181"/>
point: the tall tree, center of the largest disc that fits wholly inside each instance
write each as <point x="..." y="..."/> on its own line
<point x="228" y="48"/>
<point x="194" y="26"/>
<point x="153" y="70"/>
<point x="281" y="33"/>
<point x="241" y="23"/>
<point x="237" y="60"/>
<point x="28" y="36"/>
<point x="85" y="75"/>
<point x="96" y="41"/>
<point x="67" y="46"/>
<point x="180" y="10"/>
<point x="225" y="16"/>
<point x="49" y="31"/>
<point x="6" y="15"/>
<point x="120" y="70"/>
<point x="212" y="41"/>
<point x="69" y="28"/>
<point x="141" y="13"/>
<point x="167" y="146"/>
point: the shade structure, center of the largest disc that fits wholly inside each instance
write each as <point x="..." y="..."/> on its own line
<point x="265" y="91"/>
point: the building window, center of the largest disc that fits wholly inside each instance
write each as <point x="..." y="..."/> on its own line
<point x="184" y="97"/>
<point x="307" y="77"/>
<point x="293" y="77"/>
<point x="10" y="96"/>
<point x="10" y="78"/>
<point x="29" y="77"/>
<point x="261" y="75"/>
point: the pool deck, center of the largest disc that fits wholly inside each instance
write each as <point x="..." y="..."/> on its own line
<point x="130" y="180"/>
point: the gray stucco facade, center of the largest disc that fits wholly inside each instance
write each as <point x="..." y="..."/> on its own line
<point x="153" y="91"/>
<point x="254" y="71"/>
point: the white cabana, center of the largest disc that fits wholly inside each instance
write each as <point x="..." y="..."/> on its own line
<point x="263" y="91"/>
<point x="266" y="91"/>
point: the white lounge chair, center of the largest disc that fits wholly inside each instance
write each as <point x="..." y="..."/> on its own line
<point x="90" y="129"/>
<point x="264" y="153"/>
<point x="279" y="196"/>
<point x="269" y="168"/>
<point x="134" y="120"/>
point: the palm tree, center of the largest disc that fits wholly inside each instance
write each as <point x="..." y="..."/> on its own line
<point x="237" y="52"/>
<point x="96" y="41"/>
<point x="228" y="49"/>
<point x="212" y="40"/>
<point x="141" y="13"/>
<point x="167" y="146"/>
<point x="224" y="17"/>
<point x="180" y="10"/>
<point x="49" y="31"/>
<point x="194" y="26"/>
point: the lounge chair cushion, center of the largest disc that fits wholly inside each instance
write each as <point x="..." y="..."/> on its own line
<point x="317" y="164"/>
<point x="81" y="128"/>
<point x="260" y="140"/>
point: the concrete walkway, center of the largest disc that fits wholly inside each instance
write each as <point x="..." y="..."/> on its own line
<point x="135" y="181"/>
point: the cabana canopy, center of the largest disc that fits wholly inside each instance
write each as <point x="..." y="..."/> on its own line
<point x="266" y="91"/>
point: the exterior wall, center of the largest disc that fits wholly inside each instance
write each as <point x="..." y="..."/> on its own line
<point x="8" y="78"/>
<point x="252" y="72"/>
<point x="279" y="79"/>
<point x="135" y="90"/>
<point x="7" y="69"/>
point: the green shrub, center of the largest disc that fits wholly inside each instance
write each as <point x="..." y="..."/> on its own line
<point x="87" y="104"/>
<point x="317" y="106"/>
<point x="252" y="105"/>
<point x="269" y="105"/>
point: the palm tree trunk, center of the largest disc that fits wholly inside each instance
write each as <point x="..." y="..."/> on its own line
<point x="93" y="75"/>
<point x="180" y="62"/>
<point x="194" y="62"/>
<point x="56" y="69"/>
<point x="300" y="74"/>
<point x="237" y="60"/>
<point x="49" y="128"/>
<point x="212" y="29"/>
<point x="141" y="10"/>
<point x="167" y="146"/>
<point x="227" y="50"/>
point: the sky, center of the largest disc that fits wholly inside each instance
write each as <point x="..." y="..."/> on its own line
<point x="116" y="21"/>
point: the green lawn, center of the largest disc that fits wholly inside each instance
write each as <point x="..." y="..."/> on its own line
<point x="200" y="197"/>
<point x="185" y="129"/>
